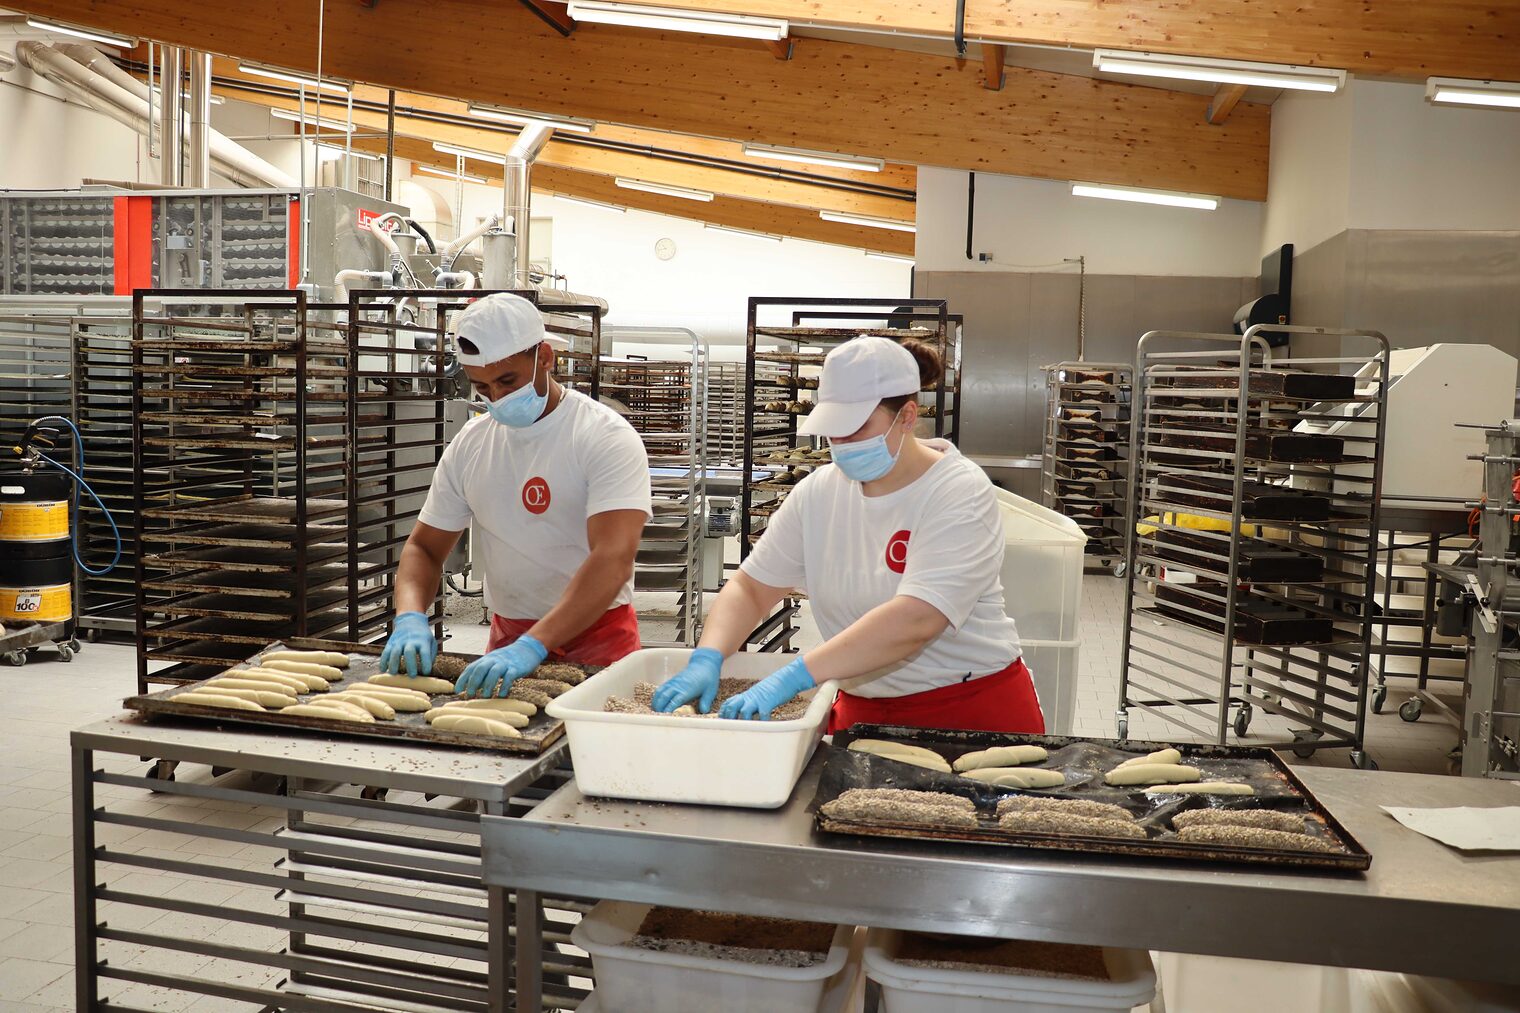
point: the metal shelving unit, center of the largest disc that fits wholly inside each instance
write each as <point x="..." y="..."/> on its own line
<point x="1085" y="462"/>
<point x="779" y="383"/>
<point x="726" y="398"/>
<point x="1255" y="485"/>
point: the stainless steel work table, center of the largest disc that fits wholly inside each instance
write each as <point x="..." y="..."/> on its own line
<point x="372" y="898"/>
<point x="1421" y="908"/>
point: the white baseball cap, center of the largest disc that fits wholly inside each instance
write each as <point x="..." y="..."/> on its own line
<point x="856" y="376"/>
<point x="499" y="325"/>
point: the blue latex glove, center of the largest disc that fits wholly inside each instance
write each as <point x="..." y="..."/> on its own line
<point x="697" y="681"/>
<point x="411" y="643"/>
<point x="505" y="664"/>
<point x="769" y="693"/>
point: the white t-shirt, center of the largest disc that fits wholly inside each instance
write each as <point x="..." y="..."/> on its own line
<point x="528" y="493"/>
<point x="939" y="540"/>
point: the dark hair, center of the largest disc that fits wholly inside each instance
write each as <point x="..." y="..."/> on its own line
<point x="930" y="369"/>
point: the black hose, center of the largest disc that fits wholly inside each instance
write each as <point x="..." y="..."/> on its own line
<point x="960" y="29"/>
<point x="970" y="212"/>
<point x="423" y="233"/>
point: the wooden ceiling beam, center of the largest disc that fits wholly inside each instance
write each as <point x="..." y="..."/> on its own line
<point x="551" y="15"/>
<point x="730" y="212"/>
<point x="831" y="96"/>
<point x="1407" y="39"/>
<point x="992" y="66"/>
<point x="1223" y="103"/>
<point x="781" y="49"/>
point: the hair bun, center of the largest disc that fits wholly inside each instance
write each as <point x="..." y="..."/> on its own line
<point x="930" y="366"/>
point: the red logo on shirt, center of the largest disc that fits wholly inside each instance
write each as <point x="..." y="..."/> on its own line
<point x="535" y="495"/>
<point x="897" y="551"/>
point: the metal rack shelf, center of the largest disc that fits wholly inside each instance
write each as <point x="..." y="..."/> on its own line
<point x="1252" y="571"/>
<point x="1085" y="463"/>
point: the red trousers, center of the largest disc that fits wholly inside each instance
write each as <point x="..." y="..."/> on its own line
<point x="1002" y="702"/>
<point x="612" y="637"/>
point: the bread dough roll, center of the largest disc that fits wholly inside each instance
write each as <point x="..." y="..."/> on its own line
<point x="1167" y="756"/>
<point x="475" y="724"/>
<point x="902" y="753"/>
<point x="522" y="707"/>
<point x="332" y="658"/>
<point x="371" y="702"/>
<point x="294" y="683"/>
<point x="422" y="683"/>
<point x="256" y="683"/>
<point x="1151" y="773"/>
<point x="313" y="683"/>
<point x="1204" y="788"/>
<point x="344" y="707"/>
<point x="1018" y="777"/>
<point x="1001" y="756"/>
<point x="327" y="672"/>
<point x="512" y="718"/>
<point x="311" y="710"/>
<point x="259" y="695"/>
<point x="406" y="703"/>
<point x="204" y="698"/>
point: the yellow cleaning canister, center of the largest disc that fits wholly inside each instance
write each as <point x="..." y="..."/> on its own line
<point x="36" y="564"/>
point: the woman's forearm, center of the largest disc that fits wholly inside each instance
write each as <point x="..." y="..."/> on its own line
<point x="739" y="608"/>
<point x="885" y="636"/>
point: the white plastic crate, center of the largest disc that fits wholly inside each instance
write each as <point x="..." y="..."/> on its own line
<point x="660" y="758"/>
<point x="1053" y="669"/>
<point x="1042" y="569"/>
<point x="634" y="980"/>
<point x="911" y="989"/>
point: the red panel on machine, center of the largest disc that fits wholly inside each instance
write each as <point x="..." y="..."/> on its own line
<point x="293" y="254"/>
<point x="132" y="243"/>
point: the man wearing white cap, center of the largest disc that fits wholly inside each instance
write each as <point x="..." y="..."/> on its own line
<point x="556" y="488"/>
<point x="899" y="546"/>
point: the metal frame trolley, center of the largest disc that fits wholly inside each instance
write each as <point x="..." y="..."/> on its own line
<point x="1252" y="537"/>
<point x="1086" y="454"/>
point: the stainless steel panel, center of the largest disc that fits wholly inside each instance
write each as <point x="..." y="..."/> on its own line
<point x="1319" y="295"/>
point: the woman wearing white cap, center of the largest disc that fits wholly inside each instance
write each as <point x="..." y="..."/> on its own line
<point x="556" y="489"/>
<point x="899" y="546"/>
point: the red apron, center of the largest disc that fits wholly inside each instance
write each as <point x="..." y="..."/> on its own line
<point x="1002" y="702"/>
<point x="612" y="637"/>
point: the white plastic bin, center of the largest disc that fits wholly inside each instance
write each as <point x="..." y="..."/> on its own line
<point x="1193" y="983"/>
<point x="660" y="758"/>
<point x="1042" y="591"/>
<point x="633" y="980"/>
<point x="910" y="989"/>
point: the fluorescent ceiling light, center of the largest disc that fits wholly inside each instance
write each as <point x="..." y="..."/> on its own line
<point x="432" y="170"/>
<point x="867" y="221"/>
<point x="591" y="203"/>
<point x="479" y="156"/>
<point x="291" y="77"/>
<point x="1457" y="91"/>
<point x="742" y="232"/>
<point x="321" y="122"/>
<point x="859" y="162"/>
<point x="522" y="117"/>
<point x="1187" y="68"/>
<point x="105" y="38"/>
<point x="1170" y="198"/>
<point x="352" y="152"/>
<point x="888" y="256"/>
<point x="666" y="19"/>
<point x="661" y="188"/>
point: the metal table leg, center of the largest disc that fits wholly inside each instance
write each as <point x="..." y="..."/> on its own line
<point x="528" y="967"/>
<point x="85" y="977"/>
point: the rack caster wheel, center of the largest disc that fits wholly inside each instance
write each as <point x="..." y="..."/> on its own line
<point x="1362" y="760"/>
<point x="16" y="658"/>
<point x="75" y="645"/>
<point x="162" y="770"/>
<point x="1124" y="728"/>
<point x="1411" y="709"/>
<point x="1379" y="699"/>
<point x="92" y="635"/>
<point x="1243" y="720"/>
<point x="65" y="653"/>
<point x="1305" y="744"/>
<point x="1120" y="569"/>
<point x="373" y="794"/>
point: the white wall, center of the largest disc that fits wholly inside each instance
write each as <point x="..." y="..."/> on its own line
<point x="1033" y="224"/>
<point x="706" y="285"/>
<point x="1309" y="179"/>
<point x="50" y="143"/>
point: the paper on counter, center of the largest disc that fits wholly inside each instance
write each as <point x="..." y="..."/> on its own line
<point x="1464" y="827"/>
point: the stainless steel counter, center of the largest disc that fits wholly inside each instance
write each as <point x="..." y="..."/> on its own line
<point x="1421" y="908"/>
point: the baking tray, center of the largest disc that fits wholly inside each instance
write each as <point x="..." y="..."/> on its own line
<point x="1257" y="560"/>
<point x="1260" y="444"/>
<point x="1260" y="501"/>
<point x="540" y="733"/>
<point x="1264" y="382"/>
<point x="1257" y="621"/>
<point x="1084" y="762"/>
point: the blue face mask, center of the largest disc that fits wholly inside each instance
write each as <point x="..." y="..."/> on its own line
<point x="523" y="406"/>
<point x="865" y="460"/>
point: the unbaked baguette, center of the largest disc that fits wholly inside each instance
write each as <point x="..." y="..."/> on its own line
<point x="332" y="658"/>
<point x="902" y="753"/>
<point x="422" y="683"/>
<point x="1001" y="756"/>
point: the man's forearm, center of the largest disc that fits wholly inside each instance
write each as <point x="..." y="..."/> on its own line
<point x="417" y="577"/>
<point x="587" y="598"/>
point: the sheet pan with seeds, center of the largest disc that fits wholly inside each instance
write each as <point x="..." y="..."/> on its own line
<point x="533" y="735"/>
<point x="915" y="793"/>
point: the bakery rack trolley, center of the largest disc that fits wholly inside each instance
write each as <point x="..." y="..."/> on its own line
<point x="1085" y="462"/>
<point x="1252" y="537"/>
<point x="779" y="379"/>
<point x="665" y="401"/>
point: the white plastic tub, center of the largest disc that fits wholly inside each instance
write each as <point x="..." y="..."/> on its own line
<point x="658" y="758"/>
<point x="909" y="989"/>
<point x="1043" y="556"/>
<point x="632" y="980"/>
<point x="1053" y="669"/>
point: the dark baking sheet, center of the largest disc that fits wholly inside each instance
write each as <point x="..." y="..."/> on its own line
<point x="1257" y="621"/>
<point x="541" y="732"/>
<point x="1257" y="559"/>
<point x="1084" y="762"/>
<point x="1260" y="444"/>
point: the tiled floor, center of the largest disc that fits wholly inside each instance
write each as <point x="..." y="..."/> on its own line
<point x="36" y="944"/>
